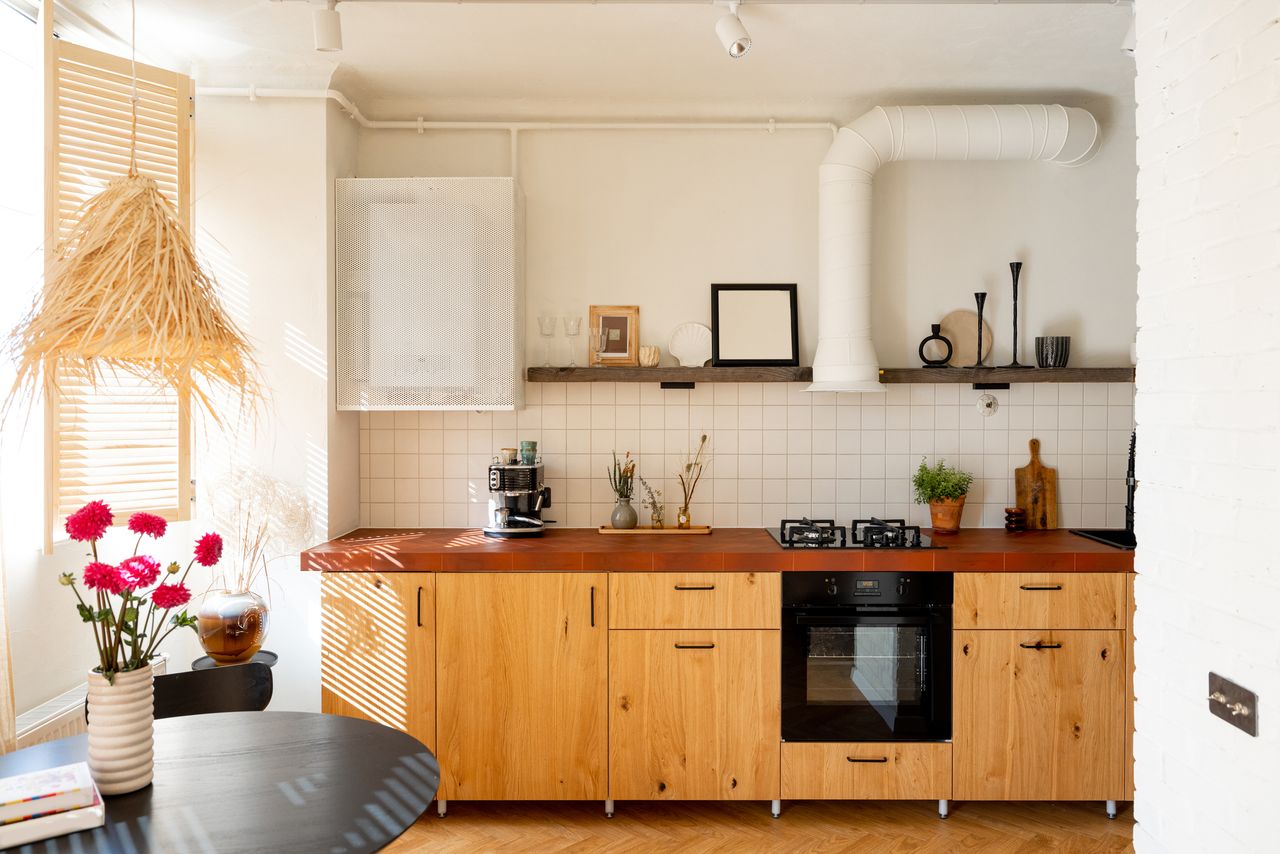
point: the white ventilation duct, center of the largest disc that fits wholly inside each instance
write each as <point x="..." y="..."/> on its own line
<point x="845" y="359"/>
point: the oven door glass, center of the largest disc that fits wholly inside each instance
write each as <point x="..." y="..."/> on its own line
<point x="864" y="678"/>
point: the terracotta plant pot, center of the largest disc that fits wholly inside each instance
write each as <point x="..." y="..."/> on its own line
<point x="945" y="513"/>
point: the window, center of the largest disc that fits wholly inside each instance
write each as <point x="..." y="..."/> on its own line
<point x="123" y="441"/>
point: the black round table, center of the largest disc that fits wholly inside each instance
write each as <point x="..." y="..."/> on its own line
<point x="243" y="782"/>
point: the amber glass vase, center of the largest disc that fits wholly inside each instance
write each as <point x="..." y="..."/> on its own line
<point x="233" y="626"/>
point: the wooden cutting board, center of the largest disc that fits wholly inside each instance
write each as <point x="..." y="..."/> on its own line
<point x="1037" y="491"/>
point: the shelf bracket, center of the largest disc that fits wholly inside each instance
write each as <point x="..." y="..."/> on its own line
<point x="676" y="385"/>
<point x="990" y="386"/>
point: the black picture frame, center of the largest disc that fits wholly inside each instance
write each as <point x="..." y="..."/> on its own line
<point x="792" y="322"/>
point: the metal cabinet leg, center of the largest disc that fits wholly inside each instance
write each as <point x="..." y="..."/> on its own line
<point x="608" y="808"/>
<point x="442" y="806"/>
<point x="775" y="807"/>
<point x="944" y="807"/>
<point x="1111" y="809"/>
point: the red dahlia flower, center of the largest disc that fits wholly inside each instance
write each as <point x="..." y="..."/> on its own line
<point x="104" y="576"/>
<point x="209" y="549"/>
<point x="168" y="596"/>
<point x="90" y="522"/>
<point x="149" y="524"/>
<point x="140" y="571"/>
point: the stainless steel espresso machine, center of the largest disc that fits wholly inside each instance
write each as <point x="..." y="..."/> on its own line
<point x="517" y="497"/>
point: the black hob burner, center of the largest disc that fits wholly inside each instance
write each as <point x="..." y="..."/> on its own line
<point x="870" y="533"/>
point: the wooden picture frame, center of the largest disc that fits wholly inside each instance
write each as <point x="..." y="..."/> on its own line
<point x="619" y="342"/>
<point x="754" y="326"/>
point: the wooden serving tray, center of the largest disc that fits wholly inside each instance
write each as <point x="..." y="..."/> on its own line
<point x="644" y="529"/>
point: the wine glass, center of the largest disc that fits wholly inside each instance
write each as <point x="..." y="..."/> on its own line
<point x="572" y="328"/>
<point x="547" y="329"/>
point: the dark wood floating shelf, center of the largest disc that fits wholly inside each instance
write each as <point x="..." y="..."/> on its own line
<point x="670" y="375"/>
<point x="1006" y="375"/>
<point x="804" y="375"/>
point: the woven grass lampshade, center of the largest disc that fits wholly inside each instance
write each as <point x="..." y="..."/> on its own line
<point x="125" y="292"/>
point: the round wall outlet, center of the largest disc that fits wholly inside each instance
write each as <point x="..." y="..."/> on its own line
<point x="987" y="405"/>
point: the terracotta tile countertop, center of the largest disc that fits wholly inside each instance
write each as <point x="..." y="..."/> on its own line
<point x="726" y="549"/>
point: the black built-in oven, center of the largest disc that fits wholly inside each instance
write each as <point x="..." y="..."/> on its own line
<point x="866" y="656"/>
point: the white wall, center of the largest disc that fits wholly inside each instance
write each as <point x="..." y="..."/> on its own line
<point x="1208" y="411"/>
<point x="263" y="173"/>
<point x="653" y="218"/>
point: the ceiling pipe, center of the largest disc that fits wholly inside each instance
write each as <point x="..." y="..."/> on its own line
<point x="845" y="359"/>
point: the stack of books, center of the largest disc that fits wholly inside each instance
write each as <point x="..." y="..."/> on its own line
<point x="48" y="803"/>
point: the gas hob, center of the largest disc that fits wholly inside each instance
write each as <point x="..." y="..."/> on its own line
<point x="870" y="533"/>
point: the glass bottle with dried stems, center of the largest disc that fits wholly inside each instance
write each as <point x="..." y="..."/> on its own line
<point x="653" y="501"/>
<point x="689" y="475"/>
<point x="269" y="519"/>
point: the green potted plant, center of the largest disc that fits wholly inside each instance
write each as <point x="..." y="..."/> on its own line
<point x="943" y="488"/>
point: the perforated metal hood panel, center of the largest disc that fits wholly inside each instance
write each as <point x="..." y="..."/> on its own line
<point x="430" y="282"/>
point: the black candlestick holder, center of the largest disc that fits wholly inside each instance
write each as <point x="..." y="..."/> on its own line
<point x="1015" y="267"/>
<point x="981" y="299"/>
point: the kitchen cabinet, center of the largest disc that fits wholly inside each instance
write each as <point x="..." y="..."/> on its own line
<point x="694" y="715"/>
<point x="695" y="600"/>
<point x="377" y="650"/>
<point x="866" y="771"/>
<point x="522" y="674"/>
<point x="1039" y="714"/>
<point x="1039" y="600"/>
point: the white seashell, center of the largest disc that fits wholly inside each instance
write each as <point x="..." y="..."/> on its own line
<point x="691" y="345"/>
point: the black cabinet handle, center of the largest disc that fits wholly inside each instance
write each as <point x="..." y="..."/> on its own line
<point x="1040" y="645"/>
<point x="1040" y="586"/>
<point x="419" y="607"/>
<point x="881" y="760"/>
<point x="593" y="606"/>
<point x="695" y="646"/>
<point x="695" y="587"/>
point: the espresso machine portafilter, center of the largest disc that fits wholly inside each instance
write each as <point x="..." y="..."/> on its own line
<point x="517" y="497"/>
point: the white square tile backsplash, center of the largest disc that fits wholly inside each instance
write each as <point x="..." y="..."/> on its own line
<point x="777" y="451"/>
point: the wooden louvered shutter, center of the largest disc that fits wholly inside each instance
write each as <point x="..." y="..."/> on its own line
<point x="123" y="441"/>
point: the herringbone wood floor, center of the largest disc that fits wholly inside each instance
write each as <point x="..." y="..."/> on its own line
<point x="865" y="827"/>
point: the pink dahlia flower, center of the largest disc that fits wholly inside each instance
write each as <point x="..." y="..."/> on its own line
<point x="168" y="596"/>
<point x="209" y="549"/>
<point x="90" y="522"/>
<point x="149" y="524"/>
<point x="104" y="576"/>
<point x="140" y="571"/>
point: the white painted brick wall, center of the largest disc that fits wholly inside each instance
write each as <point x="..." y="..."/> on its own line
<point x="1208" y="413"/>
<point x="778" y="451"/>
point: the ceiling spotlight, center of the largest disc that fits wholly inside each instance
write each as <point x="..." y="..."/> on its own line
<point x="732" y="34"/>
<point x="327" y="24"/>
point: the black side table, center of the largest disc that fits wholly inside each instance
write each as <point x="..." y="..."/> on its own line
<point x="263" y="656"/>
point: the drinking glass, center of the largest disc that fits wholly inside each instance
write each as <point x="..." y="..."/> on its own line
<point x="572" y="328"/>
<point x="547" y="329"/>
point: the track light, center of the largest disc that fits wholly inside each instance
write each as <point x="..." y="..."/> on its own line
<point x="327" y="23"/>
<point x="732" y="34"/>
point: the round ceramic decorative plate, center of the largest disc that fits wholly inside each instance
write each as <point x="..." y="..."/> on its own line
<point x="960" y="327"/>
<point x="691" y="345"/>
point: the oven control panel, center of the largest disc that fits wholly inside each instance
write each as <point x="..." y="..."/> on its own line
<point x="851" y="588"/>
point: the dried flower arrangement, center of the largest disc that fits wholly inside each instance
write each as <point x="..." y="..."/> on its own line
<point x="690" y="473"/>
<point x="268" y="519"/>
<point x="653" y="500"/>
<point x="622" y="476"/>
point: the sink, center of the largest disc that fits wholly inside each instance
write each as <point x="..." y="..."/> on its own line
<point x="1118" y="538"/>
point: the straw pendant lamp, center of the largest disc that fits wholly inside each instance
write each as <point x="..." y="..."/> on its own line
<point x="124" y="292"/>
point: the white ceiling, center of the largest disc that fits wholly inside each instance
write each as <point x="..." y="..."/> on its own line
<point x="449" y="60"/>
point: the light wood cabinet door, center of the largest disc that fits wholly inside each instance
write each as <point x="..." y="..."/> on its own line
<point x="695" y="600"/>
<point x="1039" y="600"/>
<point x="877" y="771"/>
<point x="377" y="649"/>
<point x="523" y="680"/>
<point x="694" y="715"/>
<point x="1039" y="724"/>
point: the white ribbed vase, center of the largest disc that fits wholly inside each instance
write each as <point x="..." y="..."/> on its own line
<point x="120" y="717"/>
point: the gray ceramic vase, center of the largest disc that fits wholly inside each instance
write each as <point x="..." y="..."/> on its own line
<point x="624" y="515"/>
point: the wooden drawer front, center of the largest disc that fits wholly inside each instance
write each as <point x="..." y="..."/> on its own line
<point x="866" y="771"/>
<point x="695" y="600"/>
<point x="1039" y="600"/>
